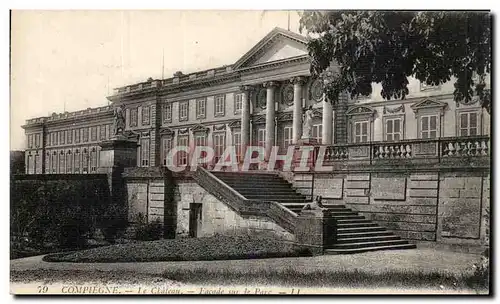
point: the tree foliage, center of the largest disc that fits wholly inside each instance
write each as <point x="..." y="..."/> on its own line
<point x="353" y="49"/>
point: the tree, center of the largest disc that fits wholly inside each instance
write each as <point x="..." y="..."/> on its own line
<point x="353" y="49"/>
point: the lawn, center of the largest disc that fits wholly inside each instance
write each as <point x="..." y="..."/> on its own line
<point x="192" y="249"/>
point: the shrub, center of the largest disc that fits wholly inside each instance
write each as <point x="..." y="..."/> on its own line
<point x="114" y="223"/>
<point x="145" y="231"/>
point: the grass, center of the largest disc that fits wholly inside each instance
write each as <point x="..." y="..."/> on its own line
<point x="192" y="249"/>
<point x="291" y="277"/>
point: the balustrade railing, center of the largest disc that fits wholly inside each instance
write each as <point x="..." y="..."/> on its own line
<point x="438" y="149"/>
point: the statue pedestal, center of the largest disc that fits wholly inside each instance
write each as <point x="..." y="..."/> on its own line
<point x="316" y="230"/>
<point x="300" y="150"/>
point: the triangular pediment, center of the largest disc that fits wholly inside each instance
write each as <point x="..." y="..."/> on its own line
<point x="360" y="110"/>
<point x="428" y="103"/>
<point x="278" y="45"/>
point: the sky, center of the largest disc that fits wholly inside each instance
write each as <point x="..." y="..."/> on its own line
<point x="71" y="60"/>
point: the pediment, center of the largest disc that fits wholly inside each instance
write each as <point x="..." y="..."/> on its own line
<point x="279" y="44"/>
<point x="260" y="119"/>
<point x="167" y="131"/>
<point x="360" y="110"/>
<point x="428" y="104"/>
<point x="235" y="124"/>
<point x="285" y="116"/>
<point x="200" y="128"/>
<point x="317" y="113"/>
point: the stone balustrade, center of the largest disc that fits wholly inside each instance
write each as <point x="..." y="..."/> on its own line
<point x="413" y="149"/>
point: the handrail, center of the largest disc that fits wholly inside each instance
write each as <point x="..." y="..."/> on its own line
<point x="270" y="209"/>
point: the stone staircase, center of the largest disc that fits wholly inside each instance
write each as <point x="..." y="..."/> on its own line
<point x="354" y="232"/>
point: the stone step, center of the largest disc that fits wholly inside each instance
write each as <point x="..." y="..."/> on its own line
<point x="251" y="178"/>
<point x="348" y="217"/>
<point x="245" y="174"/>
<point x="256" y="186"/>
<point x="351" y="221"/>
<point x="356" y="225"/>
<point x="363" y="244"/>
<point x="367" y="239"/>
<point x="359" y="229"/>
<point x="364" y="234"/>
<point x="276" y="197"/>
<point x="365" y="249"/>
<point x="251" y="190"/>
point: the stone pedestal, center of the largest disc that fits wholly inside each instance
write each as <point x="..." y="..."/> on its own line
<point x="316" y="230"/>
<point x="117" y="154"/>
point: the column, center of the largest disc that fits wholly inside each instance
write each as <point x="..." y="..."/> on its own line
<point x="270" y="117"/>
<point x="326" y="136"/>
<point x="298" y="82"/>
<point x="245" y="118"/>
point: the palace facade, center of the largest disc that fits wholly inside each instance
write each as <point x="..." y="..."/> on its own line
<point x="258" y="100"/>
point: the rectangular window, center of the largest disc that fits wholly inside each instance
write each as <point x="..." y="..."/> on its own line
<point x="30" y="164"/>
<point x="85" y="135"/>
<point x="102" y="132"/>
<point x="62" y="164"/>
<point x="145" y="115"/>
<point x="30" y="141"/>
<point x="428" y="127"/>
<point x="77" y="136"/>
<point x="77" y="161"/>
<point x="70" y="136"/>
<point x="93" y="133"/>
<point x="287" y="137"/>
<point x="166" y="146"/>
<point x="37" y="140"/>
<point x="219" y="105"/>
<point x="237" y="144"/>
<point x="261" y="137"/>
<point x="144" y="152"/>
<point x="69" y="162"/>
<point x="108" y="131"/>
<point x="200" y="140"/>
<point x="38" y="165"/>
<point x="317" y="132"/>
<point x="167" y="112"/>
<point x="85" y="161"/>
<point x="393" y="129"/>
<point x="93" y="160"/>
<point x="182" y="156"/>
<point x="54" y="162"/>
<point x="201" y="108"/>
<point x="183" y="110"/>
<point x="360" y="131"/>
<point x="133" y="117"/>
<point x="62" y="137"/>
<point x="53" y="138"/>
<point x="238" y="102"/>
<point x="219" y="145"/>
<point x="468" y="124"/>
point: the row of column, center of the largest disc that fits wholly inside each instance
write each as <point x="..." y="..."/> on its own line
<point x="298" y="86"/>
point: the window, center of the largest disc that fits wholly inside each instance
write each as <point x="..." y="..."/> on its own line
<point x="62" y="137"/>
<point x="428" y="127"/>
<point x="108" y="131"/>
<point x="53" y="139"/>
<point x="183" y="111"/>
<point x="238" y="102"/>
<point x="93" y="133"/>
<point x="360" y="131"/>
<point x="133" y="117"/>
<point x="219" y="105"/>
<point x="287" y="137"/>
<point x="85" y="135"/>
<point x="237" y="144"/>
<point x="201" y="108"/>
<point x="69" y="162"/>
<point x="103" y="132"/>
<point x="144" y="152"/>
<point x="37" y="140"/>
<point x="30" y="141"/>
<point x="77" y="136"/>
<point x="70" y="136"/>
<point x="85" y="161"/>
<point x="47" y="163"/>
<point x="219" y="145"/>
<point x="38" y="167"/>
<point x="30" y="164"/>
<point x="62" y="164"/>
<point x="167" y="112"/>
<point x="145" y="115"/>
<point x="261" y="137"/>
<point x="468" y="124"/>
<point x="317" y="132"/>
<point x="93" y="160"/>
<point x="54" y="162"/>
<point x="393" y="129"/>
<point x="200" y="139"/>
<point x="166" y="146"/>
<point x="77" y="161"/>
<point x="182" y="156"/>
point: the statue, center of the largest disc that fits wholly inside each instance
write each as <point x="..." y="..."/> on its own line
<point x="119" y="121"/>
<point x="307" y="124"/>
<point x="315" y="205"/>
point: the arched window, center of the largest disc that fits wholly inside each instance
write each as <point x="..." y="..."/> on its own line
<point x="93" y="160"/>
<point x="38" y="165"/>
<point x="54" y="162"/>
<point x="77" y="161"/>
<point x="62" y="163"/>
<point x="69" y="162"/>
<point x="47" y="163"/>
<point x="29" y="164"/>
<point x="85" y="161"/>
